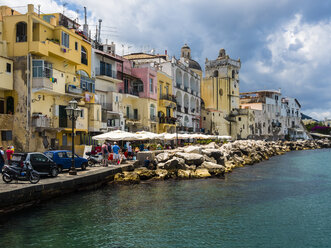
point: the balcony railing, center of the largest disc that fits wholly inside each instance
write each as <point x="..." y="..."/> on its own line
<point x="42" y="83"/>
<point x="167" y="120"/>
<point x="186" y="110"/>
<point x="74" y="89"/>
<point x="129" y="91"/>
<point x="178" y="85"/>
<point x="41" y="121"/>
<point x="186" y="88"/>
<point x="107" y="106"/>
<point x="179" y="108"/>
<point x="168" y="97"/>
<point x="108" y="73"/>
<point x="132" y="117"/>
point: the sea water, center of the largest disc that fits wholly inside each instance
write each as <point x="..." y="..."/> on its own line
<point x="282" y="202"/>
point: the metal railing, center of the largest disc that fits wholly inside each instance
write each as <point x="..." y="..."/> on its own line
<point x="168" y="97"/>
<point x="167" y="120"/>
<point x="108" y="73"/>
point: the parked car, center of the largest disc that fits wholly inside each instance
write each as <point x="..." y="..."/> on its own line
<point x="63" y="159"/>
<point x="39" y="162"/>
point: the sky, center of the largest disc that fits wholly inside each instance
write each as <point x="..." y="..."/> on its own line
<point x="281" y="44"/>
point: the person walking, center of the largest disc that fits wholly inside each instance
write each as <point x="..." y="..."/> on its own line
<point x="130" y="151"/>
<point x="9" y="153"/>
<point x="104" y="150"/>
<point x="116" y="150"/>
<point x="2" y="158"/>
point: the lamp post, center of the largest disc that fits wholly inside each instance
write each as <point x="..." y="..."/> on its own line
<point x="177" y="124"/>
<point x="73" y="112"/>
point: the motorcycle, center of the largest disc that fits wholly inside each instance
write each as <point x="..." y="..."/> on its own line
<point x="25" y="173"/>
<point x="92" y="159"/>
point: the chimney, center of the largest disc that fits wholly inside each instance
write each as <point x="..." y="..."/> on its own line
<point x="99" y="34"/>
<point x="85" y="26"/>
<point x="165" y="52"/>
<point x="30" y="8"/>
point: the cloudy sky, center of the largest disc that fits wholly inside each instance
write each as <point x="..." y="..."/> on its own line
<point x="282" y="44"/>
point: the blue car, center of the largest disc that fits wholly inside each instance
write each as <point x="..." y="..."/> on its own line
<point x="63" y="160"/>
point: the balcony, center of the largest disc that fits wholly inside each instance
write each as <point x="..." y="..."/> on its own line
<point x="108" y="73"/>
<point x="107" y="106"/>
<point x="168" y="97"/>
<point x="132" y="117"/>
<point x="167" y="120"/>
<point x="186" y="88"/>
<point x="129" y="92"/>
<point x="41" y="121"/>
<point x="73" y="89"/>
<point x="185" y="110"/>
<point x="179" y="108"/>
<point x="41" y="83"/>
<point x="178" y="85"/>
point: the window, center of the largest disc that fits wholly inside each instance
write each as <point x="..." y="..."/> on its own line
<point x="76" y="45"/>
<point x="65" y="39"/>
<point x="6" y="135"/>
<point x="8" y="68"/>
<point x="204" y="118"/>
<point x="239" y="118"/>
<point x="84" y="56"/>
<point x="2" y="106"/>
<point x="41" y="68"/>
<point x="152" y="112"/>
<point x="105" y="69"/>
<point x="167" y="90"/>
<point x="151" y="85"/>
<point x="160" y="91"/>
<point x="21" y="32"/>
<point x="82" y="113"/>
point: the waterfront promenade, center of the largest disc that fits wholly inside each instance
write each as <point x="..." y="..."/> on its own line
<point x="20" y="194"/>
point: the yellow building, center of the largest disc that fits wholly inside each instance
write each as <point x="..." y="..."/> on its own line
<point x="166" y="104"/>
<point x="220" y="94"/>
<point x="7" y="103"/>
<point x="52" y="65"/>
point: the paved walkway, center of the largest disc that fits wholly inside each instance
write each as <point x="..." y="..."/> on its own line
<point x="64" y="176"/>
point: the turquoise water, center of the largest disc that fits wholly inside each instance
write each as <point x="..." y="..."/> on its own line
<point x="283" y="202"/>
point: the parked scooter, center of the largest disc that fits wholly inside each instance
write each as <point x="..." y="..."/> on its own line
<point x="92" y="159"/>
<point x="25" y="173"/>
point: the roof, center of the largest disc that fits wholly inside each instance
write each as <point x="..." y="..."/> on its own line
<point x="261" y="91"/>
<point x="133" y="56"/>
<point x="118" y="59"/>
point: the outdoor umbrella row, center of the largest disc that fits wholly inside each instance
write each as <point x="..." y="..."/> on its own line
<point x="144" y="135"/>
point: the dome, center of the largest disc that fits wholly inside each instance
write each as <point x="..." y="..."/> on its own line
<point x="194" y="65"/>
<point x="186" y="47"/>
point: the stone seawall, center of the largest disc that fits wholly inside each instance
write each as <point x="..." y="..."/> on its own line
<point x="16" y="196"/>
<point x="212" y="160"/>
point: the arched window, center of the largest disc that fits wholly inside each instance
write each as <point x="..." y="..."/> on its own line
<point x="84" y="55"/>
<point x="233" y="73"/>
<point x="10" y="105"/>
<point x="21" y="28"/>
<point x="216" y="73"/>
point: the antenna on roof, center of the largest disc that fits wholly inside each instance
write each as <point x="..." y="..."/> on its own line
<point x="99" y="39"/>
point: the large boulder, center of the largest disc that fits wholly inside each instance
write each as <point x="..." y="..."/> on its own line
<point x="163" y="157"/>
<point x="160" y="166"/>
<point x="141" y="156"/>
<point x="210" y="159"/>
<point x="144" y="173"/>
<point x="191" y="158"/>
<point x="127" y="177"/>
<point x="171" y="164"/>
<point x="214" y="153"/>
<point x="214" y="169"/>
<point x="184" y="174"/>
<point x="160" y="174"/>
<point x="193" y="149"/>
<point x="200" y="173"/>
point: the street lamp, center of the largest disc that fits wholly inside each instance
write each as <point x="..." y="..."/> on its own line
<point x="177" y="124"/>
<point x="73" y="112"/>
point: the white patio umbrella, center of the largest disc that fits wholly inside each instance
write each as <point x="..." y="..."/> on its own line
<point x="169" y="136"/>
<point x="116" y="135"/>
<point x="144" y="135"/>
<point x="224" y="137"/>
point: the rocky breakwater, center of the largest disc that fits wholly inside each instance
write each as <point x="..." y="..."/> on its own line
<point x="212" y="160"/>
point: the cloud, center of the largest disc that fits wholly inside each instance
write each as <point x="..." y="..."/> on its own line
<point x="282" y="44"/>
